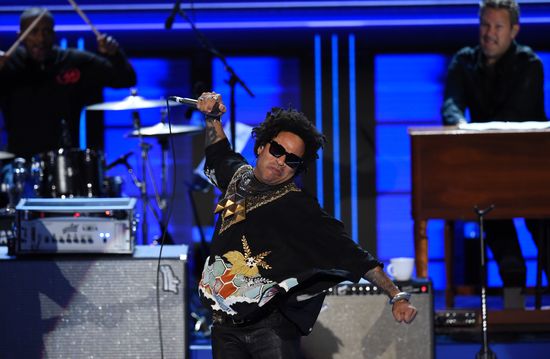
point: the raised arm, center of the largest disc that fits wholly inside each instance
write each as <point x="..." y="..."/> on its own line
<point x="210" y="103"/>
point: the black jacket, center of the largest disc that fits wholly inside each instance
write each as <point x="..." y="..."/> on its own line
<point x="35" y="98"/>
<point x="512" y="90"/>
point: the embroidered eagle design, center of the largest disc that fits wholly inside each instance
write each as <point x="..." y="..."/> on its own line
<point x="246" y="264"/>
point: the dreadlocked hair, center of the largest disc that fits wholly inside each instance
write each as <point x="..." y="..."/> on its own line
<point x="290" y="120"/>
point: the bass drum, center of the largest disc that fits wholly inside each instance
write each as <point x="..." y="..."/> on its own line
<point x="68" y="173"/>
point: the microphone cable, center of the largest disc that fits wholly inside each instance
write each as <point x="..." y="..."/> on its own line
<point x="164" y="222"/>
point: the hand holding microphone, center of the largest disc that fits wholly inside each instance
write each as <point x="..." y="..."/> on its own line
<point x="209" y="103"/>
<point x="184" y="100"/>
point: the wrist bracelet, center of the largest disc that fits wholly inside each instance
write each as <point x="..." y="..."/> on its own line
<point x="400" y="296"/>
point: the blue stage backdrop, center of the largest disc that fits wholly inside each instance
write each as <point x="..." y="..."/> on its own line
<point x="408" y="92"/>
<point x="407" y="88"/>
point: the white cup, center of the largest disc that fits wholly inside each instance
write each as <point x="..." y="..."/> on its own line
<point x="401" y="268"/>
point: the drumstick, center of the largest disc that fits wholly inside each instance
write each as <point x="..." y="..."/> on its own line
<point x="24" y="34"/>
<point x="84" y="17"/>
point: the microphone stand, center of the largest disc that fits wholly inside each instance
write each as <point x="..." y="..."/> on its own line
<point x="234" y="79"/>
<point x="485" y="352"/>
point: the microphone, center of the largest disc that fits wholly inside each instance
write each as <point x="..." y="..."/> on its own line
<point x="184" y="100"/>
<point x="122" y="160"/>
<point x="170" y="19"/>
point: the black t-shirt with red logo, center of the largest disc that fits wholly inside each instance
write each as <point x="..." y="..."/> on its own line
<point x="36" y="98"/>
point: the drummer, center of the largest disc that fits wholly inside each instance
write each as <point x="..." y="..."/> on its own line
<point x="44" y="88"/>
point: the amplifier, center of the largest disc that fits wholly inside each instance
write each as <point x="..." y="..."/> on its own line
<point x="356" y="322"/>
<point x="75" y="225"/>
<point x="95" y="305"/>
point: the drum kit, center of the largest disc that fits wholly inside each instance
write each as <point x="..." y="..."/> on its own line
<point x="72" y="172"/>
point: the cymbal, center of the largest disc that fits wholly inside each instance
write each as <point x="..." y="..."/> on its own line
<point x="161" y="129"/>
<point x="6" y="155"/>
<point x="132" y="102"/>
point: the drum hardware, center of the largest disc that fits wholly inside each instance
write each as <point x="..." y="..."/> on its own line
<point x="135" y="102"/>
<point x="122" y="160"/>
<point x="142" y="185"/>
<point x="163" y="204"/>
<point x="161" y="131"/>
<point x="113" y="186"/>
<point x="116" y="181"/>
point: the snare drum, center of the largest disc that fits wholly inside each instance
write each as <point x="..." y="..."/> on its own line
<point x="67" y="173"/>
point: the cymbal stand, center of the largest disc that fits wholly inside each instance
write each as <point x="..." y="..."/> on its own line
<point x="485" y="352"/>
<point x="162" y="200"/>
<point x="163" y="142"/>
<point x="145" y="147"/>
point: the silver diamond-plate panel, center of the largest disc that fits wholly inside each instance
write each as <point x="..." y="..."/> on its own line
<point x="362" y="326"/>
<point x="91" y="307"/>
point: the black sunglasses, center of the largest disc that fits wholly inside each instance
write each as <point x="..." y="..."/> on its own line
<point x="291" y="159"/>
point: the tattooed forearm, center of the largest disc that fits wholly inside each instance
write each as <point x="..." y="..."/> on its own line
<point x="214" y="131"/>
<point x="210" y="104"/>
<point x="210" y="134"/>
<point x="377" y="277"/>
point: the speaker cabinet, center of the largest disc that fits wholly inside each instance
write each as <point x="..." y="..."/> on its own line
<point x="356" y="322"/>
<point x="94" y="306"/>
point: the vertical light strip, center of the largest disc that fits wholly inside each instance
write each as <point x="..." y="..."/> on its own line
<point x="353" y="139"/>
<point x="83" y="144"/>
<point x="319" y="114"/>
<point x="336" y="127"/>
<point x="82" y="124"/>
